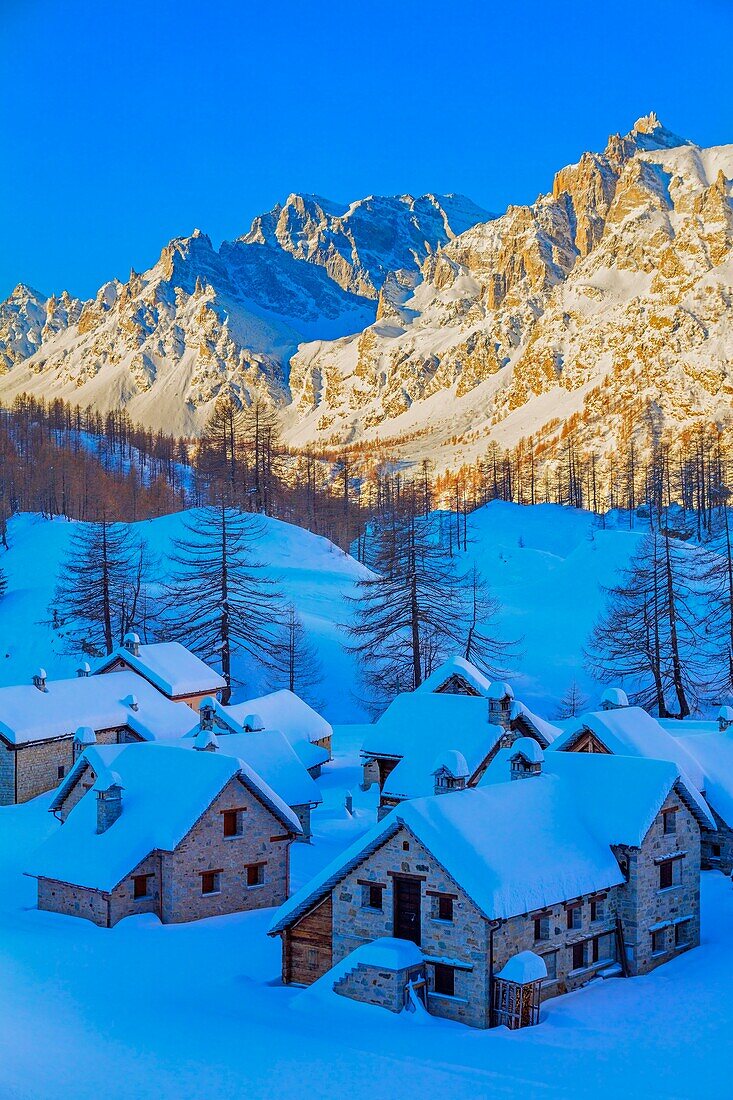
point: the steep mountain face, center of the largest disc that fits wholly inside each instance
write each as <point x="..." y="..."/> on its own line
<point x="200" y="323"/>
<point x="608" y="297"/>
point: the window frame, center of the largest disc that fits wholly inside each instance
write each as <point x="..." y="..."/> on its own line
<point x="674" y="875"/>
<point x="659" y="941"/>
<point x="259" y="870"/>
<point x="441" y="901"/>
<point x="445" y="977"/>
<point x="215" y="877"/>
<point x="145" y="880"/>
<point x="667" y="817"/>
<point x="574" y="924"/>
<point x="541" y="924"/>
<point x="579" y="946"/>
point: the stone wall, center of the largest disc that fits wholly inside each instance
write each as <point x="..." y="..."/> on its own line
<point x="717" y="847"/>
<point x="7" y="775"/>
<point x="123" y="902"/>
<point x="73" y="901"/>
<point x="303" y="814"/>
<point x="205" y="848"/>
<point x="376" y="986"/>
<point x="38" y="764"/>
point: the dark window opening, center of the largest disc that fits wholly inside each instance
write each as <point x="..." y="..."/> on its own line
<point x="140" y="886"/>
<point x="210" y="882"/>
<point x="231" y="823"/>
<point x="371" y="896"/>
<point x="575" y="916"/>
<point x="682" y="933"/>
<point x="578" y="956"/>
<point x="715" y="850"/>
<point x="60" y="771"/>
<point x="445" y="908"/>
<point x="255" y="874"/>
<point x="670" y="821"/>
<point x="405" y="845"/>
<point x="445" y="980"/>
<point x="666" y="874"/>
<point x="542" y="928"/>
<point x="658" y="941"/>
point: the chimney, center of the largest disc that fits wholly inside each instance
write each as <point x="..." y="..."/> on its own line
<point x="614" y="699"/>
<point x="109" y="800"/>
<point x="83" y="670"/>
<point x="450" y="772"/>
<point x="253" y="723"/>
<point x="83" y="739"/>
<point x="526" y="758"/>
<point x="39" y="680"/>
<point x="206" y="741"/>
<point x="131" y="643"/>
<point x="206" y="713"/>
<point x="131" y="702"/>
<point x="500" y="698"/>
<point x="725" y="718"/>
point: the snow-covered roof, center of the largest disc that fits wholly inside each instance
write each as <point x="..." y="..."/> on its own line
<point x="418" y="726"/>
<point x="712" y="751"/>
<point x="284" y="711"/>
<point x="386" y="953"/>
<point x="166" y="789"/>
<point x="456" y="666"/>
<point x="524" y="967"/>
<point x="100" y="702"/>
<point x="630" y="731"/>
<point x="518" y="712"/>
<point x="273" y="757"/>
<point x="169" y="666"/>
<point x="568" y="819"/>
<point x="615" y="697"/>
<point x="529" y="749"/>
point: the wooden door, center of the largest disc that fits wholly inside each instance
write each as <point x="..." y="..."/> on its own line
<point x="407" y="897"/>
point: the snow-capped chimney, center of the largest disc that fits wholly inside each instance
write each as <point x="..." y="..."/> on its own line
<point x="131" y="642"/>
<point x="450" y="772"/>
<point x="725" y="718"/>
<point x="526" y="758"/>
<point x="206" y="740"/>
<point x="253" y="723"/>
<point x="500" y="698"/>
<point x="83" y="739"/>
<point x="131" y="702"/>
<point x="206" y="714"/>
<point x="109" y="800"/>
<point x="614" y="699"/>
<point x="83" y="670"/>
<point x="39" y="679"/>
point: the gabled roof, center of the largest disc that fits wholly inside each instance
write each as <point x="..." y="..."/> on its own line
<point x="166" y="789"/>
<point x="100" y="702"/>
<point x="630" y="731"/>
<point x="545" y="732"/>
<point x="418" y="726"/>
<point x="169" y="667"/>
<point x="272" y="756"/>
<point x="284" y="711"/>
<point x="712" y="751"/>
<point x="456" y="666"/>
<point x="516" y="847"/>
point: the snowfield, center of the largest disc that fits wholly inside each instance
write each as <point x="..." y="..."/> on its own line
<point x="191" y="1011"/>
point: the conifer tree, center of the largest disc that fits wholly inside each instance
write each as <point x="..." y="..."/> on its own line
<point x="483" y="647"/>
<point x="573" y="702"/>
<point x="300" y="670"/>
<point x="221" y="599"/>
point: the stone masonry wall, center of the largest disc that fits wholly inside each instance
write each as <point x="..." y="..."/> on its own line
<point x="206" y="848"/>
<point x="723" y="839"/>
<point x="375" y="986"/>
<point x="38" y="763"/>
<point x="123" y="902"/>
<point x="73" y="901"/>
<point x="7" y="775"/>
<point x="643" y="906"/>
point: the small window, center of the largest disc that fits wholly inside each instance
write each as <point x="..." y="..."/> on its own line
<point x="658" y="941"/>
<point x="551" y="964"/>
<point x="578" y="956"/>
<point x="140" y="887"/>
<point x="255" y="874"/>
<point x="575" y="917"/>
<point x="312" y="957"/>
<point x="597" y="909"/>
<point x="541" y="928"/>
<point x="715" y="850"/>
<point x="371" y="896"/>
<point x="444" y="908"/>
<point x="445" y="980"/>
<point x="682" y="934"/>
<point x="210" y="882"/>
<point x="232" y="823"/>
<point x="668" y="873"/>
<point x="405" y="845"/>
<point x="669" y="818"/>
<point x="60" y="771"/>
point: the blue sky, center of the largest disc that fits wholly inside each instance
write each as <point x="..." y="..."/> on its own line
<point x="124" y="125"/>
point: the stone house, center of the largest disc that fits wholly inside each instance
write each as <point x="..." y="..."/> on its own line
<point x="703" y="752"/>
<point x="168" y="666"/>
<point x="401" y="748"/>
<point x="39" y="721"/>
<point x="475" y="877"/>
<point x="167" y="830"/>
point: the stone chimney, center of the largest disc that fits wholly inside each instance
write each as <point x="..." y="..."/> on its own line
<point x="39" y="679"/>
<point x="131" y="702"/>
<point x="131" y="643"/>
<point x="253" y="723"/>
<point x="450" y="772"/>
<point x="83" y="739"/>
<point x="725" y="718"/>
<point x="206" y="713"/>
<point x="500" y="698"/>
<point x="109" y="800"/>
<point x="614" y="699"/>
<point x="526" y="758"/>
<point x="83" y="670"/>
<point x="206" y="741"/>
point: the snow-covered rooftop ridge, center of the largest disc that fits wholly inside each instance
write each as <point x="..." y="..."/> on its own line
<point x="712" y="750"/>
<point x="273" y="758"/>
<point x="456" y="666"/>
<point x="99" y="702"/>
<point x="570" y="816"/>
<point x="166" y="789"/>
<point x="630" y="731"/>
<point x="545" y="730"/>
<point x="169" y="666"/>
<point x="282" y="710"/>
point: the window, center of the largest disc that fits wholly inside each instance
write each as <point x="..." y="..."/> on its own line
<point x="682" y="933"/>
<point x="140" y="886"/>
<point x="575" y="916"/>
<point x="371" y="895"/>
<point x="405" y="845"/>
<point x="60" y="771"/>
<point x="578" y="956"/>
<point x="669" y="818"/>
<point x="232" y="823"/>
<point x="255" y="874"/>
<point x="551" y="964"/>
<point x="669" y="873"/>
<point x="312" y="957"/>
<point x="210" y="882"/>
<point x="715" y="849"/>
<point x="445" y="980"/>
<point x="658" y="942"/>
<point x="444" y="908"/>
<point x="542" y="928"/>
<point x="597" y="909"/>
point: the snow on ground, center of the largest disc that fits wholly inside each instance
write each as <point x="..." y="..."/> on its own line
<point x="545" y="563"/>
<point x="191" y="1011"/>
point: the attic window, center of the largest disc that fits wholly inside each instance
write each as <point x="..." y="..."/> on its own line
<point x="210" y="882"/>
<point x="444" y="908"/>
<point x="669" y="818"/>
<point x="233" y="823"/>
<point x="255" y="874"/>
<point x="140" y="886"/>
<point x="405" y="845"/>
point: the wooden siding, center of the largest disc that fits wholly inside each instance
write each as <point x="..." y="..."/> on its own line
<point x="308" y="945"/>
